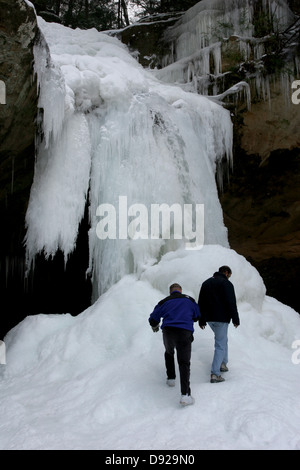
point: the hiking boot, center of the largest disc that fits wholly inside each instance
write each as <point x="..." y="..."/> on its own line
<point x="171" y="382"/>
<point x="223" y="367"/>
<point x="187" y="400"/>
<point x="216" y="378"/>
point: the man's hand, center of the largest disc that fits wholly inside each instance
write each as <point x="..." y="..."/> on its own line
<point x="235" y="326"/>
<point x="155" y="328"/>
<point x="202" y="327"/>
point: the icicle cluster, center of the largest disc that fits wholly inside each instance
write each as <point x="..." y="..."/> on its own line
<point x="197" y="40"/>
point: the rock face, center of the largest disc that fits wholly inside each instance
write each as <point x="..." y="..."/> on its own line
<point x="144" y="39"/>
<point x="17" y="154"/>
<point x="50" y="284"/>
<point x="17" y="116"/>
<point x="17" y="35"/>
<point x="261" y="201"/>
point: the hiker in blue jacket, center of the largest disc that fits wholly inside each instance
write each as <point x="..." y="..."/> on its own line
<point x="179" y="312"/>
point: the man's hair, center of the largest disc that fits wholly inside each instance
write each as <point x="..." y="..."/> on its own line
<point x="224" y="269"/>
<point x="175" y="286"/>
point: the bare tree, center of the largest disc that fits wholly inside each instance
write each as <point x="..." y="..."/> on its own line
<point x="122" y="12"/>
<point x="125" y="12"/>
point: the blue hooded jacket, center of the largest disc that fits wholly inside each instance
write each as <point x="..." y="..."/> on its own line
<point x="177" y="310"/>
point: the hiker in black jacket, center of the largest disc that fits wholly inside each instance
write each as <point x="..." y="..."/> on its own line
<point x="217" y="303"/>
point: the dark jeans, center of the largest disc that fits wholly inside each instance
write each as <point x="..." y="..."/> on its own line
<point x="181" y="340"/>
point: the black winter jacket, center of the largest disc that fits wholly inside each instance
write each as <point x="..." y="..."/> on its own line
<point x="217" y="301"/>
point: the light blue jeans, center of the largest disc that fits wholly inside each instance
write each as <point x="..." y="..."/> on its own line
<point x="220" y="330"/>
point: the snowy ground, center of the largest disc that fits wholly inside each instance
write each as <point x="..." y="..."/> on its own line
<point x="97" y="381"/>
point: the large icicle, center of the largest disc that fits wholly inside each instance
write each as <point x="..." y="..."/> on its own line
<point x="161" y="148"/>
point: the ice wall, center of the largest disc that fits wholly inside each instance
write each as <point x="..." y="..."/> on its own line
<point x="196" y="41"/>
<point x="121" y="139"/>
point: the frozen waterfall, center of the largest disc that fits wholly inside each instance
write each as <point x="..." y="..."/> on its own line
<point x="118" y="139"/>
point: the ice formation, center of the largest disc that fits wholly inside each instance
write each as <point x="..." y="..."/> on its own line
<point x="197" y="40"/>
<point x="111" y="131"/>
<point x="118" y="136"/>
